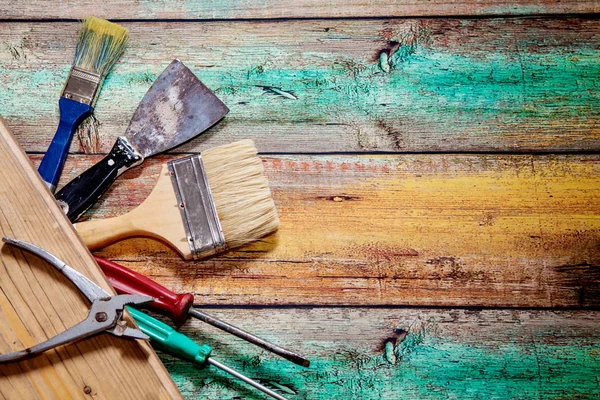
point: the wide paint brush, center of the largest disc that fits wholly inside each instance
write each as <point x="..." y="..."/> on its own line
<point x="201" y="205"/>
<point x="99" y="46"/>
<point x="175" y="109"/>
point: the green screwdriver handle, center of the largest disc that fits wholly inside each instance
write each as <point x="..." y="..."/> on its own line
<point x="169" y="340"/>
<point x="177" y="344"/>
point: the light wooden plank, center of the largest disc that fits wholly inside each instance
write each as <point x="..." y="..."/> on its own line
<point x="236" y="9"/>
<point x="446" y="230"/>
<point x="366" y="353"/>
<point x="407" y="85"/>
<point x="37" y="303"/>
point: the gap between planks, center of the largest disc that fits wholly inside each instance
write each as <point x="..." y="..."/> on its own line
<point x="287" y="9"/>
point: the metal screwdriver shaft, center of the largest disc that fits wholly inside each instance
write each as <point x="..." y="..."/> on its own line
<point x="177" y="344"/>
<point x="244" y="378"/>
<point x="179" y="307"/>
<point x="273" y="348"/>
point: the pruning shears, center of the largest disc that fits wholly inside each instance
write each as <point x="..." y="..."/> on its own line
<point x="105" y="315"/>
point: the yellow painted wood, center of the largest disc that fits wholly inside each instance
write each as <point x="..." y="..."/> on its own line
<point x="479" y="230"/>
<point x="37" y="303"/>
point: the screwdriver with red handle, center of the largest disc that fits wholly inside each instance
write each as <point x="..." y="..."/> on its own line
<point x="179" y="307"/>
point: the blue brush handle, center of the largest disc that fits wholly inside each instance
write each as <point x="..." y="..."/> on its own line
<point x="72" y="113"/>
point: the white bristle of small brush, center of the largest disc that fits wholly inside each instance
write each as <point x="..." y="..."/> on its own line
<point x="241" y="192"/>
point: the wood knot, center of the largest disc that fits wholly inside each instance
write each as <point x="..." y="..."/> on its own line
<point x="339" y="198"/>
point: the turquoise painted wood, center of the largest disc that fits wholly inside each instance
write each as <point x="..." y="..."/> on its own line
<point x="384" y="354"/>
<point x="519" y="85"/>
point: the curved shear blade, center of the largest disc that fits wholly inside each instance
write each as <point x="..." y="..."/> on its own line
<point x="91" y="291"/>
<point x="120" y="301"/>
<point x="105" y="313"/>
<point x="125" y="331"/>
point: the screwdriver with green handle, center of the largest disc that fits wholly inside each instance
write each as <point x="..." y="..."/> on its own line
<point x="179" y="308"/>
<point x="170" y="341"/>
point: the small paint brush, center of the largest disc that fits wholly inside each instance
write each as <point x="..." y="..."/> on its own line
<point x="99" y="46"/>
<point x="201" y="205"/>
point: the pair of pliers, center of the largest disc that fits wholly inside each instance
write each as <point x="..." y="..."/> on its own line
<point x="105" y="315"/>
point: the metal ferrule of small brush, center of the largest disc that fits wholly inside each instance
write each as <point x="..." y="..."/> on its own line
<point x="82" y="86"/>
<point x="196" y="205"/>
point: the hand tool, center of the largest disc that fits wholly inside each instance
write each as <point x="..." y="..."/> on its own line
<point x="201" y="205"/>
<point x="179" y="307"/>
<point x="170" y="341"/>
<point x="175" y="109"/>
<point x="99" y="46"/>
<point x="105" y="314"/>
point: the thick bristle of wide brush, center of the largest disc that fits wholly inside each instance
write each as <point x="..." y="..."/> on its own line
<point x="241" y="192"/>
<point x="100" y="45"/>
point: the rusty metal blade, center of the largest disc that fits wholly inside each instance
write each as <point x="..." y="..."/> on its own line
<point x="175" y="109"/>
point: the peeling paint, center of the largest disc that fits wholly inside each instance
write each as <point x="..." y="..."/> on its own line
<point x="87" y="134"/>
<point x="278" y="91"/>
<point x="283" y="388"/>
<point x="427" y="90"/>
<point x="426" y="366"/>
<point x="339" y="198"/>
<point x="390" y="355"/>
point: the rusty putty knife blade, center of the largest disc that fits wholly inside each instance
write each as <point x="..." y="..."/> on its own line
<point x="176" y="108"/>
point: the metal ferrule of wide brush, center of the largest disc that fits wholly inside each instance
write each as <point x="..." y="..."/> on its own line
<point x="196" y="205"/>
<point x="82" y="86"/>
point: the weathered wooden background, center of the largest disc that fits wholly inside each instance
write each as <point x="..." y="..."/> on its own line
<point x="436" y="169"/>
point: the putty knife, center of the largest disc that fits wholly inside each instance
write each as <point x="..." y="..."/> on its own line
<point x="175" y="109"/>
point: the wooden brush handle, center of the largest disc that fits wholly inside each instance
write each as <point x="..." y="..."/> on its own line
<point x="157" y="217"/>
<point x="102" y="232"/>
<point x="83" y="191"/>
<point x="139" y="222"/>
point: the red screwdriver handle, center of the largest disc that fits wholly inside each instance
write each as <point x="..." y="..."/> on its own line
<point x="126" y="281"/>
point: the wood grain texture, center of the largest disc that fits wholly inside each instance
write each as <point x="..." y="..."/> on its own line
<point x="315" y="86"/>
<point x="37" y="303"/>
<point x="236" y="9"/>
<point x="361" y="230"/>
<point x="478" y="230"/>
<point x="377" y="354"/>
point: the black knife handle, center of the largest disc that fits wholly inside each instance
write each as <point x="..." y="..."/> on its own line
<point x="83" y="191"/>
